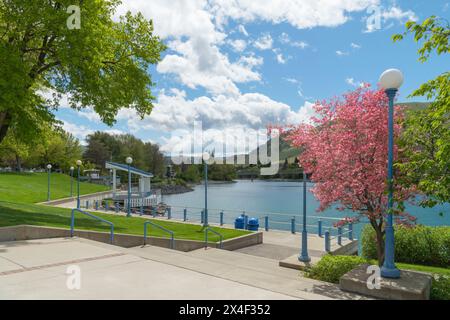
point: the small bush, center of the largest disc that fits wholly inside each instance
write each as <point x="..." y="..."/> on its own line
<point x="422" y="245"/>
<point x="332" y="268"/>
<point x="440" y="288"/>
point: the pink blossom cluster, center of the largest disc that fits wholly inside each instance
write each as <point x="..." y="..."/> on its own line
<point x="345" y="151"/>
<point x="345" y="221"/>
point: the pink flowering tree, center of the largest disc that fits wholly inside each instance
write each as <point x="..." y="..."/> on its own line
<point x="344" y="151"/>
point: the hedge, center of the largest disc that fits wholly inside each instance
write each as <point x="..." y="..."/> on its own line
<point x="422" y="245"/>
<point x="332" y="268"/>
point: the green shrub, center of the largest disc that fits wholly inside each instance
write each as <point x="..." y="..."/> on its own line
<point x="332" y="268"/>
<point x="440" y="288"/>
<point x="422" y="245"/>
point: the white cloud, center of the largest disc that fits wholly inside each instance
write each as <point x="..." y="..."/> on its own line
<point x="355" y="45"/>
<point x="175" y="111"/>
<point x="396" y="13"/>
<point x="195" y="40"/>
<point x="238" y="45"/>
<point x="264" y="42"/>
<point x="285" y="39"/>
<point x="301" y="14"/>
<point x="79" y="131"/>
<point x="211" y="69"/>
<point x="292" y="80"/>
<point x="341" y="53"/>
<point x="381" y="16"/>
<point x="242" y="30"/>
<point x="354" y="83"/>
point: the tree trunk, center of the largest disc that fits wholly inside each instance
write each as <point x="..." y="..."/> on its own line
<point x="18" y="163"/>
<point x="380" y="245"/>
<point x="5" y="121"/>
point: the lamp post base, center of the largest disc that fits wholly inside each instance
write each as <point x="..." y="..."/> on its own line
<point x="304" y="257"/>
<point x="390" y="272"/>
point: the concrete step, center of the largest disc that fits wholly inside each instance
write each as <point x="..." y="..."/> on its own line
<point x="243" y="260"/>
<point x="245" y="271"/>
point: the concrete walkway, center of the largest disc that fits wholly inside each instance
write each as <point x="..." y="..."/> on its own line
<point x="37" y="269"/>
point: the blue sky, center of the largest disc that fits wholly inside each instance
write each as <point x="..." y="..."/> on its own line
<point x="237" y="64"/>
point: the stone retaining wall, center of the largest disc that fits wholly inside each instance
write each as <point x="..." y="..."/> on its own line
<point x="28" y="232"/>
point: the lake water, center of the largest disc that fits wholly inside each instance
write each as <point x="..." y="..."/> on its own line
<point x="280" y="200"/>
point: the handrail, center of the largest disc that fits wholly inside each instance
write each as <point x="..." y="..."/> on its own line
<point x="72" y="222"/>
<point x="215" y="232"/>
<point x="212" y="211"/>
<point x="161" y="228"/>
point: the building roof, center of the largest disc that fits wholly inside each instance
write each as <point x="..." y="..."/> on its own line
<point x="124" y="167"/>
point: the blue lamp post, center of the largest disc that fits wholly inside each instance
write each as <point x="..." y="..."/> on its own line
<point x="390" y="81"/>
<point x="49" y="170"/>
<point x="129" y="161"/>
<point x="71" y="181"/>
<point x="304" y="257"/>
<point x="79" y="163"/>
<point x="205" y="168"/>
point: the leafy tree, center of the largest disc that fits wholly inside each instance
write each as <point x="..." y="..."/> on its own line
<point x="13" y="151"/>
<point x="426" y="139"/>
<point x="103" y="64"/>
<point x="191" y="173"/>
<point x="345" y="152"/>
<point x="154" y="158"/>
<point x="96" y="152"/>
<point x="56" y="147"/>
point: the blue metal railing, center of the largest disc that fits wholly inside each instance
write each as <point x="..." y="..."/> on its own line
<point x="215" y="232"/>
<point x="172" y="240"/>
<point x="72" y="222"/>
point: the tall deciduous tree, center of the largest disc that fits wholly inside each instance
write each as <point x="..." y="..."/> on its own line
<point x="345" y="153"/>
<point x="427" y="136"/>
<point x="103" y="64"/>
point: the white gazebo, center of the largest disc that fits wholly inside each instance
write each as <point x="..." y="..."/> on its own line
<point x="144" y="177"/>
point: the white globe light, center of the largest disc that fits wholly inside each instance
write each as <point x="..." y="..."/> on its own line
<point x="79" y="162"/>
<point x="205" y="156"/>
<point x="49" y="166"/>
<point x="391" y="79"/>
<point x="129" y="160"/>
<point x="72" y="168"/>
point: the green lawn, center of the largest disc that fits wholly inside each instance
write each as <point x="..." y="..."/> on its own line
<point x="32" y="187"/>
<point x="19" y="192"/>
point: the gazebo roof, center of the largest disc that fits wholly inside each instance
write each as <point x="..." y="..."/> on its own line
<point x="124" y="167"/>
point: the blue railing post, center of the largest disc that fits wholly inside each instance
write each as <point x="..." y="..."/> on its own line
<point x="245" y="221"/>
<point x="339" y="237"/>
<point x="202" y="217"/>
<point x="266" y="223"/>
<point x="154" y="212"/>
<point x="142" y="205"/>
<point x="221" y="218"/>
<point x="320" y="227"/>
<point x="293" y="225"/>
<point x="96" y="205"/>
<point x="87" y="204"/>
<point x="117" y="207"/>
<point x="106" y="205"/>
<point x="327" y="241"/>
<point x="169" y="213"/>
<point x="184" y="214"/>
<point x="72" y="223"/>
<point x="350" y="231"/>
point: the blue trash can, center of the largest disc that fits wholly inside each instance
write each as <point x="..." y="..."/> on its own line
<point x="239" y="222"/>
<point x="253" y="224"/>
